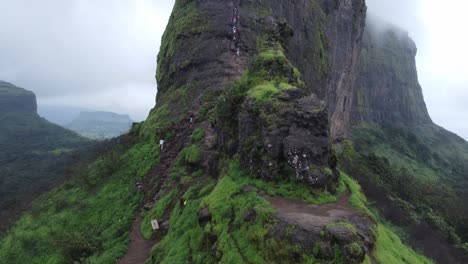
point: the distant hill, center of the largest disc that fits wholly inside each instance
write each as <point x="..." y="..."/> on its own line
<point x="60" y="115"/>
<point x="100" y="125"/>
<point x="34" y="152"/>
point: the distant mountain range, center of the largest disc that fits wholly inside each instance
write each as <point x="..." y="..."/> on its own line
<point x="100" y="125"/>
<point x="60" y="115"/>
<point x="86" y="122"/>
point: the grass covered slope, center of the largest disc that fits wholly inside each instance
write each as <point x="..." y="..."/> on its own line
<point x="87" y="219"/>
<point x="229" y="238"/>
<point x="417" y="177"/>
<point x="34" y="154"/>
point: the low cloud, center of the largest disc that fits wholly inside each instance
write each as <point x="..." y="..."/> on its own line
<point x="437" y="28"/>
<point x="92" y="54"/>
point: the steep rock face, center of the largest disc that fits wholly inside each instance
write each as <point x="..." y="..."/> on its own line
<point x="321" y="38"/>
<point x="401" y="153"/>
<point x="15" y="99"/>
<point x="387" y="89"/>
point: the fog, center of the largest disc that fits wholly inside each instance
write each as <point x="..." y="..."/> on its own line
<point x="438" y="28"/>
<point x="102" y="54"/>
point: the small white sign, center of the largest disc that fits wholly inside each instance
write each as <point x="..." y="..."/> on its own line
<point x="154" y="224"/>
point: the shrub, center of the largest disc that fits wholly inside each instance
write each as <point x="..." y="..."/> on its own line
<point x="192" y="155"/>
<point x="198" y="135"/>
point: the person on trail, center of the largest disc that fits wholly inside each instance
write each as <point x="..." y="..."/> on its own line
<point x="234" y="21"/>
<point x="234" y="33"/>
<point x="161" y="144"/>
<point x="183" y="202"/>
<point x="236" y="39"/>
<point x="192" y="118"/>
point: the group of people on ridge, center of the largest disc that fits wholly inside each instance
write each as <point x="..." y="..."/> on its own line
<point x="235" y="30"/>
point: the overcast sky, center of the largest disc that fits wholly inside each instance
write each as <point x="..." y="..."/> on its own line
<point x="102" y="54"/>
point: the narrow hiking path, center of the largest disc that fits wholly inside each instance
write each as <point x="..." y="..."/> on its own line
<point x="312" y="216"/>
<point x="139" y="249"/>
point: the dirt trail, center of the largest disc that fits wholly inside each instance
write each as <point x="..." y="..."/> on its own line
<point x="139" y="249"/>
<point x="310" y="215"/>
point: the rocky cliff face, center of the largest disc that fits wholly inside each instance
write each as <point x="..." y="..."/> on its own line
<point x="387" y="89"/>
<point x="398" y="145"/>
<point x="15" y="99"/>
<point x="296" y="53"/>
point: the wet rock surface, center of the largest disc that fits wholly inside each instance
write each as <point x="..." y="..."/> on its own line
<point x="387" y="89"/>
<point x="290" y="135"/>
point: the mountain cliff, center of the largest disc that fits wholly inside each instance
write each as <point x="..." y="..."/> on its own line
<point x="414" y="169"/>
<point x="14" y="99"/>
<point x="33" y="151"/>
<point x="387" y="89"/>
<point x="248" y="172"/>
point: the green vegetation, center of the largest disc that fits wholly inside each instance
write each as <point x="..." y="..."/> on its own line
<point x="34" y="157"/>
<point x="268" y="75"/>
<point x="185" y="20"/>
<point x="416" y="172"/>
<point x="157" y="124"/>
<point x="265" y="91"/>
<point x="191" y="155"/>
<point x="230" y="238"/>
<point x="346" y="225"/>
<point x="293" y="189"/>
<point x="357" y="199"/>
<point x="87" y="219"/>
<point x="157" y="212"/>
<point x="197" y="135"/>
<point x="227" y="238"/>
<point x="389" y="247"/>
<point x="391" y="250"/>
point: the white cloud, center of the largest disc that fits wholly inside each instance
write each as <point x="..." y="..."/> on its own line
<point x="75" y="51"/>
<point x="90" y="53"/>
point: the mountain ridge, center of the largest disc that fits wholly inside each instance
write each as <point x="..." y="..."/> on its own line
<point x="239" y="129"/>
<point x="34" y="152"/>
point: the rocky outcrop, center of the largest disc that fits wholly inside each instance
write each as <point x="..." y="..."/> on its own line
<point x="387" y="89"/>
<point x="324" y="231"/>
<point x="15" y="99"/>
<point x="321" y="38"/>
<point x="290" y="134"/>
<point x="316" y="44"/>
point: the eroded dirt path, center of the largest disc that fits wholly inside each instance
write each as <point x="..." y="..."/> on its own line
<point x="139" y="249"/>
<point x="313" y="216"/>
